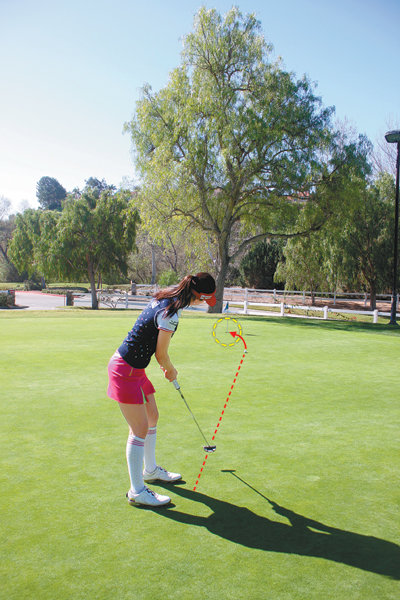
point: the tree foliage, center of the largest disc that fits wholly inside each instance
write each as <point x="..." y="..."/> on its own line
<point x="259" y="265"/>
<point x="367" y="239"/>
<point x="233" y="142"/>
<point x="50" y="193"/>
<point x="384" y="156"/>
<point x="95" y="234"/>
<point x="5" y="206"/>
<point x="8" y="272"/>
<point x="302" y="267"/>
<point x="164" y="249"/>
<point x="353" y="251"/>
<point x="92" y="237"/>
<point x="31" y="245"/>
<point x="98" y="185"/>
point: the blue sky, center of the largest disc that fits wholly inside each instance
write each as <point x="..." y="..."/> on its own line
<point x="71" y="72"/>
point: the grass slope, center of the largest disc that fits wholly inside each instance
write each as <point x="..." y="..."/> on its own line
<point x="298" y="502"/>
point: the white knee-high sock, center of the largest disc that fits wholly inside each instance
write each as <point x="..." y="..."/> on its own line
<point x="150" y="450"/>
<point x="134" y="458"/>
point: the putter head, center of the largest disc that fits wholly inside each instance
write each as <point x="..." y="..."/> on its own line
<point x="210" y="448"/>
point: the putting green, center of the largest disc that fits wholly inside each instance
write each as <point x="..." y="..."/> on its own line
<point x="299" y="501"/>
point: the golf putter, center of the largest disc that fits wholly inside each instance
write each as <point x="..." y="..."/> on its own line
<point x="207" y="448"/>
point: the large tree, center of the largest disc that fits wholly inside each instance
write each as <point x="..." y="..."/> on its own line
<point x="92" y="237"/>
<point x="353" y="251"/>
<point x="367" y="240"/>
<point x="303" y="267"/>
<point x="33" y="236"/>
<point x="95" y="235"/>
<point x="384" y="157"/>
<point x="234" y="145"/>
<point x="50" y="193"/>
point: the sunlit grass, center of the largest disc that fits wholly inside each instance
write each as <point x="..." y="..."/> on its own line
<point x="298" y="502"/>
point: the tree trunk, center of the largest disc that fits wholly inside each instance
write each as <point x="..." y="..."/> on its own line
<point x="95" y="302"/>
<point x="12" y="273"/>
<point x="4" y="253"/>
<point x="153" y="265"/>
<point x="220" y="284"/>
<point x="372" y="300"/>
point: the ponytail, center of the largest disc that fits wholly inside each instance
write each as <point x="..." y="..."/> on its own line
<point x="180" y="294"/>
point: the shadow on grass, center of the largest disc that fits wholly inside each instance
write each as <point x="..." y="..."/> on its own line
<point x="302" y="536"/>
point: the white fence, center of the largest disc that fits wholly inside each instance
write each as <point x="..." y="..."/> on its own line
<point x="255" y="307"/>
<point x="256" y="302"/>
<point x="279" y="295"/>
<point x="325" y="310"/>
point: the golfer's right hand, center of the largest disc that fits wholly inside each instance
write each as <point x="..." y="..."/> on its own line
<point x="170" y="374"/>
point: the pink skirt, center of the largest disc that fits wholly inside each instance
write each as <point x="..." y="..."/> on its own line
<point x="126" y="384"/>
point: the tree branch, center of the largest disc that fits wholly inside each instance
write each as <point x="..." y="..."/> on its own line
<point x="274" y="234"/>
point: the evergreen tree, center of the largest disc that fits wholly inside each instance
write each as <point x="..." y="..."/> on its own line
<point x="50" y="193"/>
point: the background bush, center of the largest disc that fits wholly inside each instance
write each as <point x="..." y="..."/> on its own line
<point x="7" y="300"/>
<point x="168" y="278"/>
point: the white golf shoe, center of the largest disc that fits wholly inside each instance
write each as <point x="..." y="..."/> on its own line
<point x="160" y="474"/>
<point x="148" y="498"/>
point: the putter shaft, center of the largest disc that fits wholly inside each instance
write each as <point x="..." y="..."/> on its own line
<point x="177" y="387"/>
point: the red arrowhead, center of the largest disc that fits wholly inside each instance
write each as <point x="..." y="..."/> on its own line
<point x="234" y="334"/>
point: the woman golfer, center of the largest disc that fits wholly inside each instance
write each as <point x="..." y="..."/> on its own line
<point x="130" y="387"/>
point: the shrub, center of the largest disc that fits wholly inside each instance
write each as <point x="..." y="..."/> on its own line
<point x="234" y="278"/>
<point x="30" y="285"/>
<point x="7" y="299"/>
<point x="259" y="265"/>
<point x="168" y="278"/>
<point x="63" y="290"/>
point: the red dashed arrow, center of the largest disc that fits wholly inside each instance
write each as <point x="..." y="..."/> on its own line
<point x="234" y="334"/>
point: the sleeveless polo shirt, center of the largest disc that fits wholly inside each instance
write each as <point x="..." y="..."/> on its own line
<point x="140" y="344"/>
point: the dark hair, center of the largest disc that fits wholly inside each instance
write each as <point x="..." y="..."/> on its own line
<point x="181" y="294"/>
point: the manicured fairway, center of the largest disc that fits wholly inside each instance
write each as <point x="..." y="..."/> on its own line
<point x="300" y="500"/>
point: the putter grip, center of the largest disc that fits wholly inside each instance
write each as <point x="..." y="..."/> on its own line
<point x="176" y="384"/>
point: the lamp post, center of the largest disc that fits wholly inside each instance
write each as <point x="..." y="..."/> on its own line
<point x="393" y="137"/>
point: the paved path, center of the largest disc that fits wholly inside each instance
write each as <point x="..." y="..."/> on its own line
<point x="38" y="301"/>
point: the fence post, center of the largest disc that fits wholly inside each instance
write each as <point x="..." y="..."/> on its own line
<point x="365" y="299"/>
<point x="274" y="295"/>
<point x="282" y="309"/>
<point x="325" y="312"/>
<point x="334" y="298"/>
<point x="126" y="299"/>
<point x="376" y="315"/>
<point x="245" y="303"/>
<point x="304" y="297"/>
